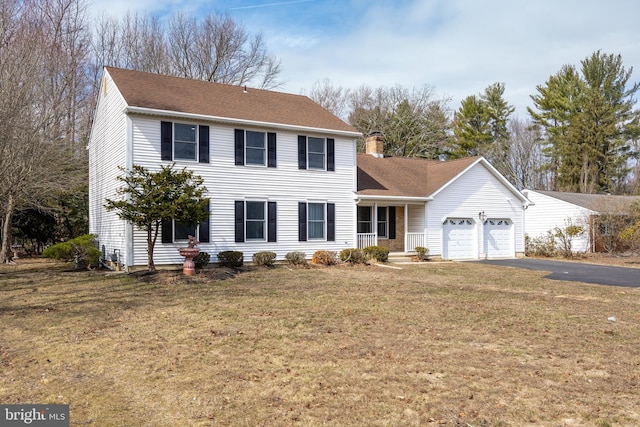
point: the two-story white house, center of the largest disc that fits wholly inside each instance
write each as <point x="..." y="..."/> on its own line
<point x="283" y="175"/>
<point x="280" y="170"/>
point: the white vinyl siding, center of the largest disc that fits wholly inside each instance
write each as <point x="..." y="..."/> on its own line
<point x="287" y="185"/>
<point x="107" y="152"/>
<point x="474" y="191"/>
<point x="547" y="213"/>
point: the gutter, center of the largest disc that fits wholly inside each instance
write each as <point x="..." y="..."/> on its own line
<point x="227" y="120"/>
<point x="394" y="198"/>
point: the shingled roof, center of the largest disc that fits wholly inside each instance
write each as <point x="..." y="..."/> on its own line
<point x="215" y="100"/>
<point x="406" y="177"/>
<point x="596" y="202"/>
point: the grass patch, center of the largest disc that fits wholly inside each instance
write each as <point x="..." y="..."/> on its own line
<point x="444" y="343"/>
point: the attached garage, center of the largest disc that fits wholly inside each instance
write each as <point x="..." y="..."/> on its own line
<point x="459" y="239"/>
<point x="499" y="238"/>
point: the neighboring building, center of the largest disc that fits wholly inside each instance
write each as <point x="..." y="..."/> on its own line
<point x="283" y="175"/>
<point x="551" y="209"/>
<point x="460" y="209"/>
<point x="280" y="170"/>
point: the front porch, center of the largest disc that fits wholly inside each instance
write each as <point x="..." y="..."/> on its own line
<point x="400" y="228"/>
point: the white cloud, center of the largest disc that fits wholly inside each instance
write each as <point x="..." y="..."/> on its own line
<point x="458" y="46"/>
<point x="462" y="46"/>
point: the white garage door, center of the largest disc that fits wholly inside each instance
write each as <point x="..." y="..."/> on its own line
<point x="498" y="238"/>
<point x="458" y="239"/>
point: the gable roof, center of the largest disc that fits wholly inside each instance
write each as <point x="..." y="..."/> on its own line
<point x="406" y="177"/>
<point x="594" y="202"/>
<point x="155" y="93"/>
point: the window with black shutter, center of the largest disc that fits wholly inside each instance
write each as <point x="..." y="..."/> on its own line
<point x="316" y="153"/>
<point x="255" y="148"/>
<point x="255" y="221"/>
<point x="183" y="141"/>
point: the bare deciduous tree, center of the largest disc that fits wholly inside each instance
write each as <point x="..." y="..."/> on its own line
<point x="41" y="100"/>
<point x="215" y="48"/>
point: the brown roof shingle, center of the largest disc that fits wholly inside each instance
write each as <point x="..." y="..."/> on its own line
<point x="159" y="92"/>
<point x="406" y="177"/>
<point x="596" y="202"/>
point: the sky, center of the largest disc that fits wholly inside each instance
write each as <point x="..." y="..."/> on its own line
<point x="456" y="47"/>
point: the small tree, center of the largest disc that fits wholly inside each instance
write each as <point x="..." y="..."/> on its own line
<point x="153" y="197"/>
<point x="565" y="237"/>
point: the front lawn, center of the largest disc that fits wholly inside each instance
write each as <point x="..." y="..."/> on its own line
<point x="454" y="344"/>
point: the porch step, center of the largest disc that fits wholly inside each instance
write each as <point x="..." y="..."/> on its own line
<point x="400" y="257"/>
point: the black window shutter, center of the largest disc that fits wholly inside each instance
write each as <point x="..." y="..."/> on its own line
<point x="167" y="232"/>
<point x="204" y="234"/>
<point x="239" y="221"/>
<point x="203" y="144"/>
<point x="331" y="154"/>
<point x="239" y="138"/>
<point x="302" y="221"/>
<point x="331" y="222"/>
<point x="302" y="152"/>
<point x="272" y="222"/>
<point x="392" y="222"/>
<point x="166" y="139"/>
<point x="271" y="150"/>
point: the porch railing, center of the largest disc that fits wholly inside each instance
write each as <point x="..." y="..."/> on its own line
<point x="366" y="239"/>
<point x="413" y="240"/>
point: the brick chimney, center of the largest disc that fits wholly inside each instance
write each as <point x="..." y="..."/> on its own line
<point x="375" y="144"/>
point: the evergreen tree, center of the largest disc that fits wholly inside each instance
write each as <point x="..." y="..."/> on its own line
<point x="480" y="127"/>
<point x="589" y="124"/>
<point x="153" y="197"/>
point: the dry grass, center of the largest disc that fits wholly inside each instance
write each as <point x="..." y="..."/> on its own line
<point x="449" y="344"/>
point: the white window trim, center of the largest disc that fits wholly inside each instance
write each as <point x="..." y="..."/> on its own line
<point x="324" y="221"/>
<point x="264" y="148"/>
<point x="265" y="229"/>
<point x="324" y="154"/>
<point x="173" y="142"/>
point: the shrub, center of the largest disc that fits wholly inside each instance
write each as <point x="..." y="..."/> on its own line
<point x="265" y="258"/>
<point x="82" y="251"/>
<point x="201" y="260"/>
<point x="378" y="253"/>
<point x="352" y="255"/>
<point x="422" y="252"/>
<point x="544" y="245"/>
<point x="324" y="258"/>
<point x="296" y="258"/>
<point x="232" y="259"/>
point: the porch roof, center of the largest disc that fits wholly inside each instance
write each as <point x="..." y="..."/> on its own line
<point x="402" y="177"/>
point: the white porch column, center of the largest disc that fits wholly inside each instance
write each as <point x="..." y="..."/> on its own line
<point x="375" y="222"/>
<point x="406" y="228"/>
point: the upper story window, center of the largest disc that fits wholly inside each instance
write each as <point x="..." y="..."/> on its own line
<point x="316" y="153"/>
<point x="183" y="141"/>
<point x="255" y="148"/>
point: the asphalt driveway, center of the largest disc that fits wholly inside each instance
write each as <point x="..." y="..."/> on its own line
<point x="576" y="271"/>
